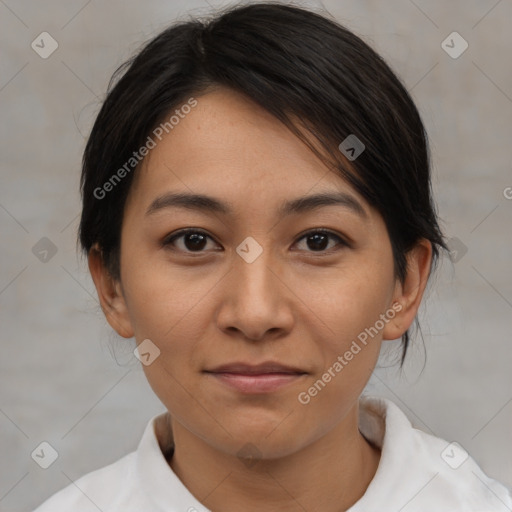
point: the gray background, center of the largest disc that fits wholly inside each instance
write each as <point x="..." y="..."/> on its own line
<point x="66" y="379"/>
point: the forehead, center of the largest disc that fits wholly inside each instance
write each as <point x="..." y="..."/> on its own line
<point x="228" y="145"/>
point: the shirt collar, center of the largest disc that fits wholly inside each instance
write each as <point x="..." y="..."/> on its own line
<point x="158" y="480"/>
<point x="381" y="422"/>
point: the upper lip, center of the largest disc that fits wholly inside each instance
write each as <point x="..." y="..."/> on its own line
<point x="255" y="369"/>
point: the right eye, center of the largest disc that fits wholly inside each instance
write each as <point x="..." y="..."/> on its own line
<point x="188" y="240"/>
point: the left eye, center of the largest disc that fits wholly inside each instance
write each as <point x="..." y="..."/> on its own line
<point x="318" y="241"/>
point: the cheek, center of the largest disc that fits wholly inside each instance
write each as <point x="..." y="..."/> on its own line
<point x="348" y="303"/>
<point x="348" y="306"/>
<point x="163" y="300"/>
<point x="348" y="310"/>
<point x="169" y="309"/>
<point x="173" y="309"/>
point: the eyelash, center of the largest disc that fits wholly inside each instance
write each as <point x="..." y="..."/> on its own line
<point x="170" y="239"/>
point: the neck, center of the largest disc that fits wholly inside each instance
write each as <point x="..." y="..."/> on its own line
<point x="329" y="474"/>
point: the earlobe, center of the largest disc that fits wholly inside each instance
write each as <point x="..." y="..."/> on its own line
<point x="410" y="293"/>
<point x="110" y="294"/>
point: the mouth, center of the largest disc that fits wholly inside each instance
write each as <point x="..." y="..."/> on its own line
<point x="253" y="379"/>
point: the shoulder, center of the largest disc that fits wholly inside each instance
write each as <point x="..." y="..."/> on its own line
<point x="97" y="490"/>
<point x="456" y="478"/>
<point x="419" y="471"/>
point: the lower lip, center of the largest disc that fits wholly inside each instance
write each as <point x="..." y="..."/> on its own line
<point x="261" y="383"/>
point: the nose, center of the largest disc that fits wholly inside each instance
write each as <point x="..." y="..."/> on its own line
<point x="256" y="302"/>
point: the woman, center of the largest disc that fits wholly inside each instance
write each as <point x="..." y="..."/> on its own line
<point x="257" y="214"/>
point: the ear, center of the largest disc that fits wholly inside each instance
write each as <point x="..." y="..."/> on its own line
<point x="408" y="294"/>
<point x="110" y="294"/>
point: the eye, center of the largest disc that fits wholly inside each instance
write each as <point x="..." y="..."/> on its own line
<point x="193" y="240"/>
<point x="318" y="241"/>
<point x="196" y="241"/>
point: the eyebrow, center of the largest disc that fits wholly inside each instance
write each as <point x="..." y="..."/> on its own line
<point x="210" y="204"/>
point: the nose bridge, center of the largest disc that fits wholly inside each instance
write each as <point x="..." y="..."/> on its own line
<point x="254" y="279"/>
<point x="253" y="300"/>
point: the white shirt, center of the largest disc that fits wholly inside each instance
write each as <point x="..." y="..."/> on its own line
<point x="417" y="472"/>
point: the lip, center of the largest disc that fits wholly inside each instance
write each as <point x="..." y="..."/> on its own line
<point x="261" y="378"/>
<point x="255" y="369"/>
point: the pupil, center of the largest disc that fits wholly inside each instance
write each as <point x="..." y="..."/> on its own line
<point x="319" y="242"/>
<point x="195" y="241"/>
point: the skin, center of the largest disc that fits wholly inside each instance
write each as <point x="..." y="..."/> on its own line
<point x="293" y="304"/>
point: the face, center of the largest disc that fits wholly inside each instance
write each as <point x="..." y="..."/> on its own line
<point x="259" y="278"/>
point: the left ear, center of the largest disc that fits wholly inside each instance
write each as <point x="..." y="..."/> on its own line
<point x="409" y="293"/>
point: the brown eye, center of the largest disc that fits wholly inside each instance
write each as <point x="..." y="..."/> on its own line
<point x="188" y="241"/>
<point x="194" y="241"/>
<point x="318" y="241"/>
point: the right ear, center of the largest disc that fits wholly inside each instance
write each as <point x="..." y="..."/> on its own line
<point x="110" y="294"/>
